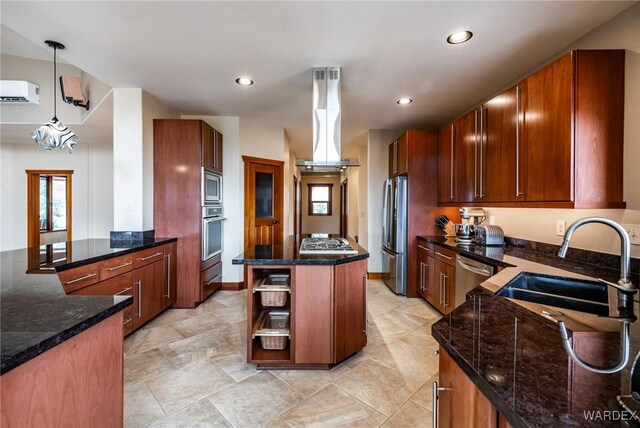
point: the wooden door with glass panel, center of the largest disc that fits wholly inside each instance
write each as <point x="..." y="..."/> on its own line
<point x="264" y="188"/>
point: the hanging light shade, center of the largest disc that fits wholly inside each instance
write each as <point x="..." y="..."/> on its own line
<point x="54" y="134"/>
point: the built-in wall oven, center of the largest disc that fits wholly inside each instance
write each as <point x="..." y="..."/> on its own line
<point x="211" y="188"/>
<point x="212" y="232"/>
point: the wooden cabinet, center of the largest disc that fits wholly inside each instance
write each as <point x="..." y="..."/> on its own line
<point x="460" y="403"/>
<point x="184" y="145"/>
<point x="466" y="157"/>
<point x="328" y="315"/>
<point x="211" y="148"/>
<point x="498" y="147"/>
<point x="398" y="152"/>
<point x="446" y="150"/>
<point x="554" y="140"/>
<point x="149" y="292"/>
<point x="350" y="313"/>
<point x="437" y="276"/>
<point x="152" y="283"/>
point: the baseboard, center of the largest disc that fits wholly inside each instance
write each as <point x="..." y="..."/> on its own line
<point x="375" y="275"/>
<point x="232" y="286"/>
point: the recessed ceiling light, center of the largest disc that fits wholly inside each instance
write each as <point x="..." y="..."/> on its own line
<point x="244" y="81"/>
<point x="404" y="101"/>
<point x="459" y="37"/>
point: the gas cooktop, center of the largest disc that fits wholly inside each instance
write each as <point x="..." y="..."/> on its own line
<point x="326" y="246"/>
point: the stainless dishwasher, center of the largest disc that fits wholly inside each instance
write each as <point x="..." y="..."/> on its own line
<point x="469" y="274"/>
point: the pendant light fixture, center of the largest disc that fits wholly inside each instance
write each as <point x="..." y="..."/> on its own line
<point x="54" y="134"/>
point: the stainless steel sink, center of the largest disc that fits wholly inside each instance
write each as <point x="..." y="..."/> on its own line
<point x="567" y="293"/>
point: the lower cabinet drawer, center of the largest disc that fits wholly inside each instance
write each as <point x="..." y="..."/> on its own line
<point x="80" y="277"/>
<point x="116" y="266"/>
<point x="446" y="255"/>
<point x="119" y="285"/>
<point x="148" y="256"/>
<point x="211" y="280"/>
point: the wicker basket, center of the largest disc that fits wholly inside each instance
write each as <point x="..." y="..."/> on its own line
<point x="274" y="290"/>
<point x="274" y="331"/>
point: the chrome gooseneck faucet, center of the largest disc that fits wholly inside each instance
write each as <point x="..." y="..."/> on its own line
<point x="625" y="291"/>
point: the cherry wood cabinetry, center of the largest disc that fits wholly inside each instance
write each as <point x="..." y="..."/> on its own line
<point x="78" y="383"/>
<point x="421" y="171"/>
<point x="181" y="148"/>
<point x="327" y="307"/>
<point x="211" y="148"/>
<point x="554" y="140"/>
<point x="398" y="162"/>
<point x="497" y="182"/>
<point x="446" y="163"/>
<point x="148" y="275"/>
<point x="437" y="276"/>
<point x="460" y="403"/>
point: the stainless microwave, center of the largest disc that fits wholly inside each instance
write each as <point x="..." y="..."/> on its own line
<point x="211" y="188"/>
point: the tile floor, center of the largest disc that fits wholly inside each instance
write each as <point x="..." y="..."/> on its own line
<point x="187" y="368"/>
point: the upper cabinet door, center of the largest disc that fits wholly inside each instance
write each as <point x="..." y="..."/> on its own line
<point x="217" y="150"/>
<point x="446" y="178"/>
<point x="498" y="148"/>
<point x="402" y="164"/>
<point x="547" y="109"/>
<point x="207" y="145"/>
<point x="466" y="165"/>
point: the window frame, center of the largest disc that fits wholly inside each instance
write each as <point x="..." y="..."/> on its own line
<point x="33" y="204"/>
<point x="310" y="201"/>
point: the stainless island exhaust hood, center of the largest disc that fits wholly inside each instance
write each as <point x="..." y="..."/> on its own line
<point x="327" y="116"/>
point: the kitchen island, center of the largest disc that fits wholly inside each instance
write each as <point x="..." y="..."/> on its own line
<point x="61" y="354"/>
<point x="316" y="305"/>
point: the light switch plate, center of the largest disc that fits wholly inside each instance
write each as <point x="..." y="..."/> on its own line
<point x="634" y="232"/>
<point x="561" y="227"/>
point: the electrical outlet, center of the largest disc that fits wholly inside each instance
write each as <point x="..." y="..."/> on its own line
<point x="634" y="232"/>
<point x="561" y="227"/>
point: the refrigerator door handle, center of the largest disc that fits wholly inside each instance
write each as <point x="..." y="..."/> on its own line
<point x="388" y="253"/>
<point x="385" y="214"/>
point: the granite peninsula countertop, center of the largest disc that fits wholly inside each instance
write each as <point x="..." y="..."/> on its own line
<point x="35" y="312"/>
<point x="288" y="254"/>
<point x="515" y="356"/>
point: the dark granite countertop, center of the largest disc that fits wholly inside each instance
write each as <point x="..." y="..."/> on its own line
<point x="288" y="254"/>
<point x="35" y="312"/>
<point x="496" y="256"/>
<point x="516" y="358"/>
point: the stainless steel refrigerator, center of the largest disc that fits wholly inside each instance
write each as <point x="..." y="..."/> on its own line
<point x="394" y="235"/>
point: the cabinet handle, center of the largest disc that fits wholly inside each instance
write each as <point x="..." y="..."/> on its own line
<point x="451" y="170"/>
<point x="168" y="295"/>
<point x="434" y="412"/>
<point x="475" y="154"/>
<point x="481" y="152"/>
<point x="119" y="266"/>
<point x="82" y="278"/>
<point x="424" y="248"/>
<point x="442" y="255"/>
<point x="366" y="316"/>
<point x="518" y="192"/>
<point x="445" y="277"/>
<point x="139" y="283"/>
<point x="127" y="321"/>
<point x="421" y="276"/>
<point x="123" y="291"/>
<point x="150" y="257"/>
<point x="440" y="290"/>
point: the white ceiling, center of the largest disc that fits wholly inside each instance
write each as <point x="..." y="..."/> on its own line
<point x="188" y="54"/>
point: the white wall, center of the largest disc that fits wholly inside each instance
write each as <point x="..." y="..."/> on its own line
<point x="353" y="208"/>
<point x="321" y="224"/>
<point x="92" y="191"/>
<point x="128" y="158"/>
<point x="378" y="172"/>
<point x="363" y="196"/>
<point x="152" y="108"/>
<point x="622" y="32"/>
